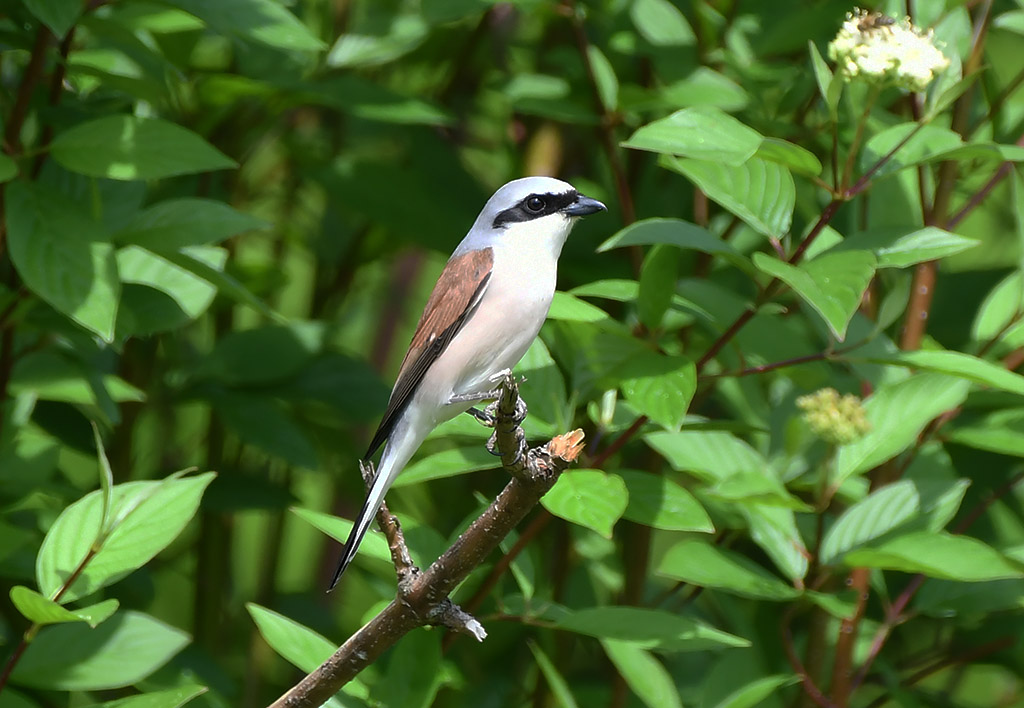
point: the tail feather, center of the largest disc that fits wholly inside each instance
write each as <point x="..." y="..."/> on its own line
<point x="397" y="452"/>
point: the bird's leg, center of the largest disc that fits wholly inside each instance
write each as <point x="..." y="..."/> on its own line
<point x="488" y="416"/>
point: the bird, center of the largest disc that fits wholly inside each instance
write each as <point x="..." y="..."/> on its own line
<point x="486" y="309"/>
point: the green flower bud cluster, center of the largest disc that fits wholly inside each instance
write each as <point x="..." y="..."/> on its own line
<point x="835" y="419"/>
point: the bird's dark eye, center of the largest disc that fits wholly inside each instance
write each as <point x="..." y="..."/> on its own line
<point x="535" y="204"/>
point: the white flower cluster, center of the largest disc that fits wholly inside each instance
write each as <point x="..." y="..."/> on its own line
<point x="878" y="49"/>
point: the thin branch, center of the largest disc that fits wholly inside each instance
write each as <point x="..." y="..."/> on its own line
<point x="424" y="600"/>
<point x="811" y="689"/>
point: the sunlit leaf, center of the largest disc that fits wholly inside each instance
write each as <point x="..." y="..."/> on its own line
<point x="760" y="192"/>
<point x="589" y="498"/>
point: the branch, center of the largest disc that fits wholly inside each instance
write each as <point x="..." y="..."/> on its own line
<point x="424" y="599"/>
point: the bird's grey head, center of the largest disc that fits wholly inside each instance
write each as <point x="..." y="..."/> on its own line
<point x="532" y="198"/>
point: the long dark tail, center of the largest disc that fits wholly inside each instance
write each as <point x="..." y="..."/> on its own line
<point x="385" y="476"/>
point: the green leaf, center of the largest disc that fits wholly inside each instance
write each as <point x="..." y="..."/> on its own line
<point x="448" y="463"/>
<point x="756" y="691"/>
<point x="789" y="155"/>
<point x="938" y="555"/>
<point x="644" y="674"/>
<point x="1001" y="306"/>
<point x="120" y="652"/>
<point x="559" y="688"/>
<point x="960" y="365"/>
<point x="284" y="351"/>
<point x="227" y="285"/>
<point x="414" y="672"/>
<point x="895" y="248"/>
<point x="659" y="502"/>
<point x="929" y="141"/>
<point x="712" y="455"/>
<point x="260" y="21"/>
<point x="706" y="565"/>
<point x="299" y="645"/>
<point x="895" y="506"/>
<point x="604" y="78"/>
<point x="406" y="33"/>
<point x="658" y="277"/>
<point x="175" y="223"/>
<point x="171" y="698"/>
<point x="822" y="75"/>
<point x="675" y="232"/>
<point x="774" y="529"/>
<point x="760" y="192"/>
<point x="374" y="545"/>
<point x="570" y="308"/>
<point x="661" y="23"/>
<point x="702" y="133"/>
<point x="648" y="629"/>
<point x="129" y="148"/>
<point x="59" y="15"/>
<point x="40" y="610"/>
<point x="190" y="295"/>
<point x="660" y="387"/>
<point x="8" y="168"/>
<point x="106" y="482"/>
<point x="589" y="498"/>
<point x="63" y="256"/>
<point x="366" y="99"/>
<point x="94" y="615"/>
<point x="833" y="283"/>
<point x="898" y="413"/>
<point x="147" y="517"/>
<point x="265" y="423"/>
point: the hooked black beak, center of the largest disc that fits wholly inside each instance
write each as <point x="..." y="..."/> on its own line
<point x="583" y="206"/>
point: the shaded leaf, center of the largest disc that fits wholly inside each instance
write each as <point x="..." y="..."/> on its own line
<point x="120" y="652"/>
<point x="261" y="21"/>
<point x="644" y="674"/>
<point x="647" y="628"/>
<point x="63" y="256"/>
<point x="706" y="565"/>
<point x="678" y="233"/>
<point x="176" y="223"/>
<point x="559" y="688"/>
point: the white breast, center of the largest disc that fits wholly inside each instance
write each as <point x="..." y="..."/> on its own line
<point x="508" y="318"/>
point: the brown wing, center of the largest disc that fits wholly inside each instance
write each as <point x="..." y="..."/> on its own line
<point x="455" y="297"/>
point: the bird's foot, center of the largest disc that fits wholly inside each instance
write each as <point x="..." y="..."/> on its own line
<point x="483" y="417"/>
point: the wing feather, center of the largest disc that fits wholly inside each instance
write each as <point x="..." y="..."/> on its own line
<point x="455" y="296"/>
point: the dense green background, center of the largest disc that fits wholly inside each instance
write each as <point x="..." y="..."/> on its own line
<point x="221" y="219"/>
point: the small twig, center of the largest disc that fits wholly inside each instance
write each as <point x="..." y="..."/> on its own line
<point x="895" y="611"/>
<point x="405" y="568"/>
<point x="810" y="688"/>
<point x="425" y="599"/>
<point x="964" y="658"/>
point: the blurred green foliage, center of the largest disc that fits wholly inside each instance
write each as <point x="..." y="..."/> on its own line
<point x="221" y="220"/>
